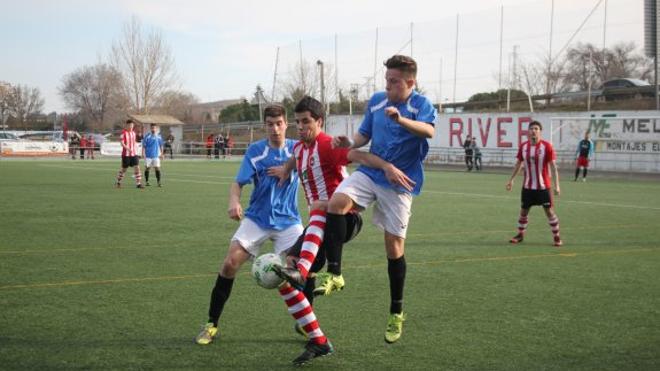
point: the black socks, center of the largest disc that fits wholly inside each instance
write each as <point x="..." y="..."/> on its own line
<point x="219" y="297"/>
<point x="396" y="269"/>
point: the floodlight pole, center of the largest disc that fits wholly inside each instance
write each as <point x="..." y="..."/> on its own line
<point x="320" y="64"/>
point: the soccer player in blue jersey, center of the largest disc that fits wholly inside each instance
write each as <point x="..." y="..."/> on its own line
<point x="397" y="123"/>
<point x="152" y="152"/>
<point x="273" y="215"/>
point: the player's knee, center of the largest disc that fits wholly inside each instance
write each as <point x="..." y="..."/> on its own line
<point x="340" y="204"/>
<point x="230" y="266"/>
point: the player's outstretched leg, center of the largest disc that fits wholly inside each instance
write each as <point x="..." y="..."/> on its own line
<point x="298" y="306"/>
<point x="312" y="240"/>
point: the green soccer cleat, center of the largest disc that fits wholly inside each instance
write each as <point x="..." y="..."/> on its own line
<point x="328" y="283"/>
<point x="394" y="327"/>
<point x="207" y="334"/>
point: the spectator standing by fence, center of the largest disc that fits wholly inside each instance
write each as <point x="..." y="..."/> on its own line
<point x="169" y="142"/>
<point x="90" y="147"/>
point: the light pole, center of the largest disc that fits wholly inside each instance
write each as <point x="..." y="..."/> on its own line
<point x="320" y="64"/>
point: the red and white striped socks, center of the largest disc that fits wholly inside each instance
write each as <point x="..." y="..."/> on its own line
<point x="120" y="176"/>
<point x="303" y="313"/>
<point x="522" y="224"/>
<point x="312" y="241"/>
<point x="138" y="175"/>
<point x="554" y="225"/>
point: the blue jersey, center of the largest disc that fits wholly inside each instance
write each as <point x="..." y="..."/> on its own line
<point x="152" y="144"/>
<point x="394" y="143"/>
<point x="271" y="206"/>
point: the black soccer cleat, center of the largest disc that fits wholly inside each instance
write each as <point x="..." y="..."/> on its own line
<point x="139" y="186"/>
<point x="291" y="275"/>
<point x="313" y="350"/>
<point x="517" y="238"/>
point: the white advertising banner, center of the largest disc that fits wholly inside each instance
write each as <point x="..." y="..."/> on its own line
<point x="623" y="139"/>
<point x="17" y="148"/>
<point x="114" y="149"/>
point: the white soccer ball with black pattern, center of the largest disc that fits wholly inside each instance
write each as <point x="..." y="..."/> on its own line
<point x="262" y="270"/>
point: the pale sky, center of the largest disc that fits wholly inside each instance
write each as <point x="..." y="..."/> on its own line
<point x="223" y="49"/>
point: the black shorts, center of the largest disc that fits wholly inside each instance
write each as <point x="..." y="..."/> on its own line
<point x="129" y="161"/>
<point x="535" y="197"/>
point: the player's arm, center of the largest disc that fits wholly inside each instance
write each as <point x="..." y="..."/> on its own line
<point x="555" y="176"/>
<point x="283" y="171"/>
<point x="123" y="145"/>
<point x="516" y="170"/>
<point x="342" y="141"/>
<point x="417" y="128"/>
<point x="235" y="211"/>
<point x="392" y="173"/>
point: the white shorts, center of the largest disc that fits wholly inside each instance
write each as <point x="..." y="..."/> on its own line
<point x="152" y="162"/>
<point x="251" y="237"/>
<point x="392" y="210"/>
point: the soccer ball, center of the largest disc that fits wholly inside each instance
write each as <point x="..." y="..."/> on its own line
<point x="262" y="271"/>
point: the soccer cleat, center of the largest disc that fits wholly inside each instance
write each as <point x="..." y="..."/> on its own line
<point x="207" y="334"/>
<point x="517" y="238"/>
<point x="328" y="283"/>
<point x="117" y="185"/>
<point x="139" y="186"/>
<point x="291" y="275"/>
<point x="300" y="330"/>
<point x="148" y="185"/>
<point x="313" y="350"/>
<point x="394" y="327"/>
<point x="557" y="242"/>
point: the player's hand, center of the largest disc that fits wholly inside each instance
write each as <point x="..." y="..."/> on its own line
<point x="393" y="113"/>
<point x="341" y="141"/>
<point x="235" y="211"/>
<point x="278" y="172"/>
<point x="509" y="185"/>
<point x="557" y="191"/>
<point x="398" y="177"/>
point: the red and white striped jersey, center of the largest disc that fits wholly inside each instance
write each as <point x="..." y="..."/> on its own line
<point x="321" y="168"/>
<point x="128" y="138"/>
<point x="536" y="159"/>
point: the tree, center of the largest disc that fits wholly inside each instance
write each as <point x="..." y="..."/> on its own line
<point x="6" y="92"/>
<point x="305" y="79"/>
<point x="239" y="112"/>
<point x="176" y="103"/>
<point x="146" y="64"/>
<point x="93" y="91"/>
<point x="24" y="102"/>
<point x="586" y="63"/>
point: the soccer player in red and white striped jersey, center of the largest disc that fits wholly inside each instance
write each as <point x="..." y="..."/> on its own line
<point x="537" y="157"/>
<point x="321" y="167"/>
<point x="129" y="155"/>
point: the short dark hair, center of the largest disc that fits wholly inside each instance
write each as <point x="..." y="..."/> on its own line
<point x="129" y="121"/>
<point x="535" y="123"/>
<point x="402" y="63"/>
<point x="274" y="110"/>
<point x="153" y="124"/>
<point x="311" y="105"/>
